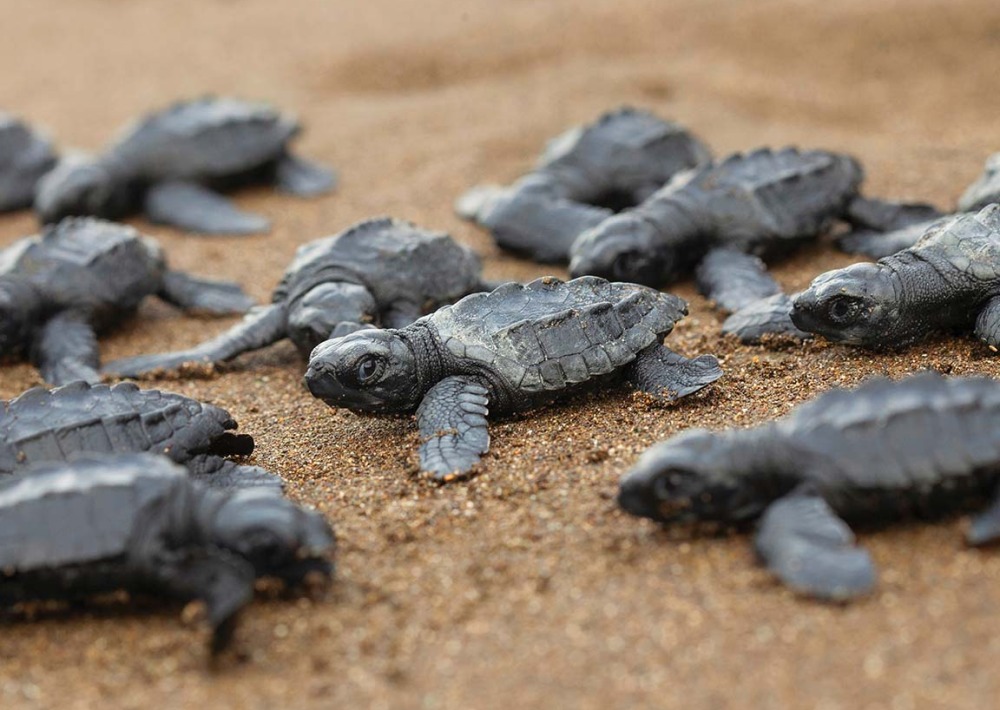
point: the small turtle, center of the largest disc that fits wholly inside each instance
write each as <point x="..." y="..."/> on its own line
<point x="382" y="270"/>
<point x="170" y="163"/>
<point x="764" y="203"/>
<point x="82" y="277"/>
<point x="924" y="446"/>
<point x="503" y="351"/>
<point x="54" y="425"/>
<point x="25" y="155"/>
<point x="949" y="280"/>
<point x="583" y="177"/>
<point x="136" y="522"/>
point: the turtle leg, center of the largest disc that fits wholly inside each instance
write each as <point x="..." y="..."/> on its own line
<point x="984" y="528"/>
<point x="734" y="279"/>
<point x="803" y="542"/>
<point x="261" y="327"/>
<point x="194" y="294"/>
<point x="888" y="216"/>
<point x="217" y="472"/>
<point x="875" y="244"/>
<point x="66" y="350"/>
<point x="194" y="208"/>
<point x="400" y="314"/>
<point x="454" y="432"/>
<point x="303" y="178"/>
<point x="768" y="316"/>
<point x="661" y="372"/>
<point x="988" y="323"/>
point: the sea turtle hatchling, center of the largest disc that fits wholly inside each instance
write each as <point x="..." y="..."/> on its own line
<point x="136" y="522"/>
<point x="949" y="280"/>
<point x="82" y="277"/>
<point x="507" y="350"/>
<point x="583" y="177"/>
<point x="25" y="155"/>
<point x="924" y="446"/>
<point x="170" y="163"/>
<point x="383" y="271"/>
<point x="54" y="425"/>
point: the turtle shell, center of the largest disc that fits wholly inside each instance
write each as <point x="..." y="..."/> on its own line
<point x="25" y="156"/>
<point x="550" y="334"/>
<point x="82" y="512"/>
<point x="209" y="137"/>
<point x="969" y="242"/>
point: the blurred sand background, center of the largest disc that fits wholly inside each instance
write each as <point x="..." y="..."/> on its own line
<point x="525" y="587"/>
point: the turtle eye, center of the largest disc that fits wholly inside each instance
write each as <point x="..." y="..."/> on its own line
<point x="843" y="309"/>
<point x="369" y="369"/>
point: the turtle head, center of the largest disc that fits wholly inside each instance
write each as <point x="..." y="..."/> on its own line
<point x="856" y="305"/>
<point x="78" y="185"/>
<point x="623" y="248"/>
<point x="366" y="371"/>
<point x="20" y="312"/>
<point x="273" y="534"/>
<point x="313" y="317"/>
<point x="686" y="479"/>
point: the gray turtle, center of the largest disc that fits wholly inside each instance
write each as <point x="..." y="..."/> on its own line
<point x="136" y="522"/>
<point x="583" y="177"/>
<point x="82" y="277"/>
<point x="949" y="280"/>
<point x="171" y="163"/>
<point x="507" y="350"/>
<point x="54" y="425"/>
<point x="763" y="203"/>
<point x="925" y="446"/>
<point x="382" y="271"/>
<point x="25" y="155"/>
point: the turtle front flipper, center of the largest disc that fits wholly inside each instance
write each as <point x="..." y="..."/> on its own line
<point x="66" y="350"/>
<point x="400" y="314"/>
<point x="876" y="245"/>
<point x="768" y="316"/>
<point x="803" y="542"/>
<point x="194" y="208"/>
<point x="190" y="293"/>
<point x="259" y="328"/>
<point x="888" y="216"/>
<point x="303" y="178"/>
<point x="733" y="279"/>
<point x="217" y="472"/>
<point x="661" y="372"/>
<point x="988" y="324"/>
<point x="454" y="432"/>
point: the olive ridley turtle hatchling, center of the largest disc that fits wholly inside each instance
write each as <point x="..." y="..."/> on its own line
<point x="81" y="277"/>
<point x="949" y="280"/>
<point x="583" y="177"/>
<point x="924" y="446"/>
<point x="136" y="522"/>
<point x="54" y="425"/>
<point x="507" y="350"/>
<point x="171" y="163"/>
<point x="382" y="270"/>
<point x="762" y="203"/>
<point x="25" y="155"/>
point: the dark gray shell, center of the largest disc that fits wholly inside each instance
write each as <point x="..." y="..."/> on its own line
<point x="985" y="190"/>
<point x="52" y="425"/>
<point x="206" y="138"/>
<point x="550" y="334"/>
<point x="57" y="514"/>
<point x="395" y="260"/>
<point x="25" y="155"/>
<point x="88" y="264"/>
<point x="968" y="242"/>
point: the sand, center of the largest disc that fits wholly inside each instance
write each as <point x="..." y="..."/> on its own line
<point x="524" y="586"/>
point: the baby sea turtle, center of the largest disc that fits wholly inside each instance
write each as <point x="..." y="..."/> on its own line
<point x="82" y="277"/>
<point x="136" y="522"/>
<point x="949" y="280"/>
<point x="170" y="163"/>
<point x="25" y="155"/>
<point x="920" y="447"/>
<point x="382" y="270"/>
<point x="583" y="177"/>
<point x="504" y="351"/>
<point x="54" y="425"/>
<point x="764" y="203"/>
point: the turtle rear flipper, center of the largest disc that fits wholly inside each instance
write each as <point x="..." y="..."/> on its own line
<point x="661" y="372"/>
<point x="218" y="472"/>
<point x="303" y="178"/>
<point x="192" y="207"/>
<point x="453" y="427"/>
<point x="66" y="350"/>
<point x="876" y="245"/>
<point x="803" y="542"/>
<point x="886" y="216"/>
<point x="768" y="316"/>
<point x="734" y="279"/>
<point x="984" y="529"/>
<point x="191" y="293"/>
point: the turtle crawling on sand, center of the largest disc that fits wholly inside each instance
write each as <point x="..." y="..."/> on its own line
<point x="171" y="163"/>
<point x="950" y="279"/>
<point x="924" y="446"/>
<point x="82" y="277"/>
<point x="55" y="425"/>
<point x="25" y="155"/>
<point x="381" y="271"/>
<point x="583" y="177"/>
<point x="507" y="350"/>
<point x="136" y="522"/>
